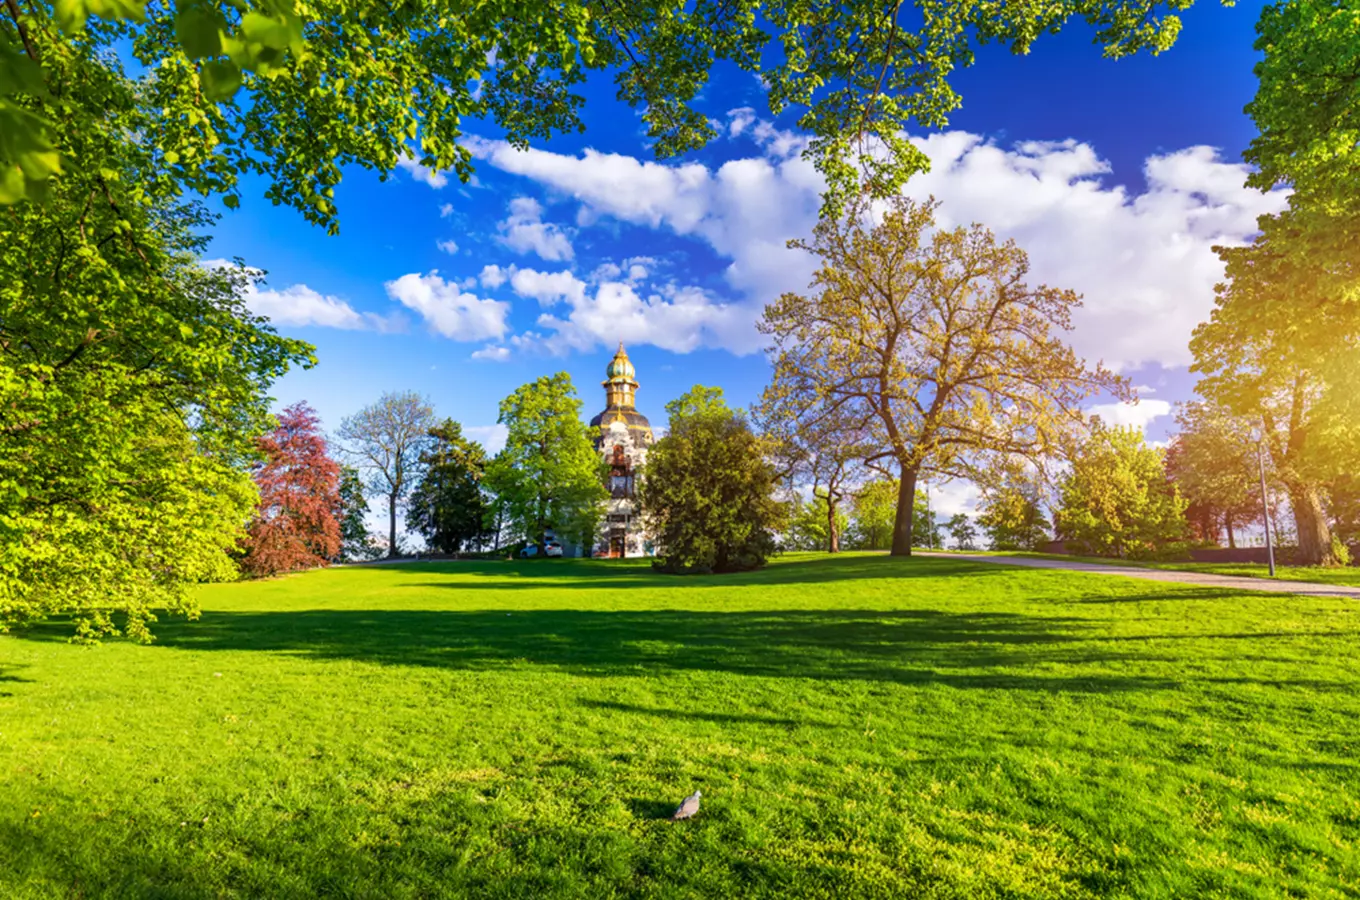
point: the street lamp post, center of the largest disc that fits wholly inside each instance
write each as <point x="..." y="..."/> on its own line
<point x="1265" y="506"/>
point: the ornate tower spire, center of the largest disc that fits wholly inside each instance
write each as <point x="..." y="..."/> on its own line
<point x="620" y="383"/>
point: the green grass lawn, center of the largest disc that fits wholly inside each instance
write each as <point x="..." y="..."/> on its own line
<point x="1347" y="576"/>
<point x="860" y="727"/>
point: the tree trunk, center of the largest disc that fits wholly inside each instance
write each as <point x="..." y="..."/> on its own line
<point x="902" y="522"/>
<point x="1315" y="537"/>
<point x="392" y="525"/>
<point x="1227" y="524"/>
<point x="833" y="536"/>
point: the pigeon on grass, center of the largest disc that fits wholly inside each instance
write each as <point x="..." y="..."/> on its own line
<point x="688" y="807"/>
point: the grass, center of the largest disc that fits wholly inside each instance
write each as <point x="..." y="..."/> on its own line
<point x="860" y="727"/>
<point x="1346" y="576"/>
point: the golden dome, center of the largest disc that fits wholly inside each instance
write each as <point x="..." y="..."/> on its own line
<point x="620" y="368"/>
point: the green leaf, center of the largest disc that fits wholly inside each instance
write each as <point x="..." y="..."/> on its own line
<point x="220" y="79"/>
<point x="275" y="32"/>
<point x="11" y="185"/>
<point x="199" y="31"/>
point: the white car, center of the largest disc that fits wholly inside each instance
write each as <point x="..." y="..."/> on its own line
<point x="552" y="548"/>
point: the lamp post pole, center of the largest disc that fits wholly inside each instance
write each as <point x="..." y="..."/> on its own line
<point x="1265" y="509"/>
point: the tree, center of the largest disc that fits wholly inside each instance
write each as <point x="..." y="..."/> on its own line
<point x="1212" y="462"/>
<point x="1117" y="500"/>
<point x="1278" y="370"/>
<point x="387" y="440"/>
<point x="707" y="489"/>
<point x="925" y="531"/>
<point x="934" y="338"/>
<point x="448" y="507"/>
<point x="295" y="525"/>
<point x="872" y="510"/>
<point x="133" y="386"/>
<point x="355" y="541"/>
<point x="1011" y="517"/>
<point x="810" y="526"/>
<point x="820" y="450"/>
<point x="549" y="474"/>
<point x="962" y="531"/>
<point x="272" y="88"/>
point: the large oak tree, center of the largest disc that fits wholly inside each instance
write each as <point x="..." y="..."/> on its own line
<point x="935" y="338"/>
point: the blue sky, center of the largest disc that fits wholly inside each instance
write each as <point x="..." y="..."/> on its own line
<point x="1117" y="177"/>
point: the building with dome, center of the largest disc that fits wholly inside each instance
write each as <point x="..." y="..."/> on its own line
<point x="622" y="436"/>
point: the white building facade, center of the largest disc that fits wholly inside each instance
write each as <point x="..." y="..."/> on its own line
<point x="622" y="436"/>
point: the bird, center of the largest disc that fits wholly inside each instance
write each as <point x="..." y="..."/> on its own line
<point x="688" y="807"/>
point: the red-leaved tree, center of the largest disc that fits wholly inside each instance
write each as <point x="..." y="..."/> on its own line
<point x="295" y="526"/>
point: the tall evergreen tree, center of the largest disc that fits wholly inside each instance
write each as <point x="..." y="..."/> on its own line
<point x="355" y="540"/>
<point x="448" y="507"/>
<point x="295" y="525"/>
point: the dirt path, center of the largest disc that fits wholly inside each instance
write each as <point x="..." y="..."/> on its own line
<point x="1200" y="579"/>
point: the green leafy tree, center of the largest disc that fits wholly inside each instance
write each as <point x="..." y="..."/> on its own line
<point x="133" y="386"/>
<point x="932" y="338"/>
<point x="925" y="530"/>
<point x="808" y="527"/>
<point x="355" y="541"/>
<point x="1012" y="518"/>
<point x="549" y="474"/>
<point x="273" y="89"/>
<point x="962" y="531"/>
<point x="1213" y="463"/>
<point x="387" y="440"/>
<point x="1117" y="500"/>
<point x="448" y="507"/>
<point x="873" y="508"/>
<point x="707" y="489"/>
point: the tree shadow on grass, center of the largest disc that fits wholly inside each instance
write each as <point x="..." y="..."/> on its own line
<point x="7" y="675"/>
<point x="581" y="574"/>
<point x="915" y="646"/>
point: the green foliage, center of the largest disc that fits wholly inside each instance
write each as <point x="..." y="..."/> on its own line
<point x="1117" y="500"/>
<point x="707" y="489"/>
<point x="809" y="527"/>
<point x="447" y="507"/>
<point x="925" y="530"/>
<point x="273" y="88"/>
<point x="549" y="474"/>
<point x="1213" y="463"/>
<point x="132" y="389"/>
<point x="873" y="509"/>
<point x="355" y="541"/>
<point x="931" y="340"/>
<point x="962" y="532"/>
<point x="918" y="728"/>
<point x="1011" y="517"/>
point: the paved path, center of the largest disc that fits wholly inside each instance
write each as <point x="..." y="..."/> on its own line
<point x="1199" y="579"/>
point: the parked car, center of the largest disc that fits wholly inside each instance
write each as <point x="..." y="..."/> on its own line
<point x="531" y="550"/>
<point x="552" y="548"/>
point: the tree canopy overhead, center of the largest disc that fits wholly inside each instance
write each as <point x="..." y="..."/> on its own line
<point x="294" y="90"/>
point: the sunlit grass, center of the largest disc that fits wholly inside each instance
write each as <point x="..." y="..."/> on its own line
<point x="861" y="726"/>
<point x="1347" y="576"/>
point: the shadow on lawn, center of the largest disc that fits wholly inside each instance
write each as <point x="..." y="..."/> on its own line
<point x="594" y="575"/>
<point x="922" y="646"/>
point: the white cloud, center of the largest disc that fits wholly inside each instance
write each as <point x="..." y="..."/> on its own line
<point x="419" y="172"/>
<point x="450" y="246"/>
<point x="547" y="287"/>
<point x="493" y="352"/>
<point x="524" y="231"/>
<point x="1137" y="415"/>
<point x="492" y="437"/>
<point x="1144" y="261"/>
<point x="447" y="309"/>
<point x="299" y="305"/>
<point x="445" y="210"/>
<point x="493" y="276"/>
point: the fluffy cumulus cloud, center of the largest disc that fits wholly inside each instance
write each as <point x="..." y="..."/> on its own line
<point x="448" y="309"/>
<point x="524" y="231"/>
<point x="299" y="305"/>
<point x="1143" y="261"/>
<point x="419" y="172"/>
<point x="1137" y="415"/>
<point x="450" y="246"/>
<point x="492" y="437"/>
